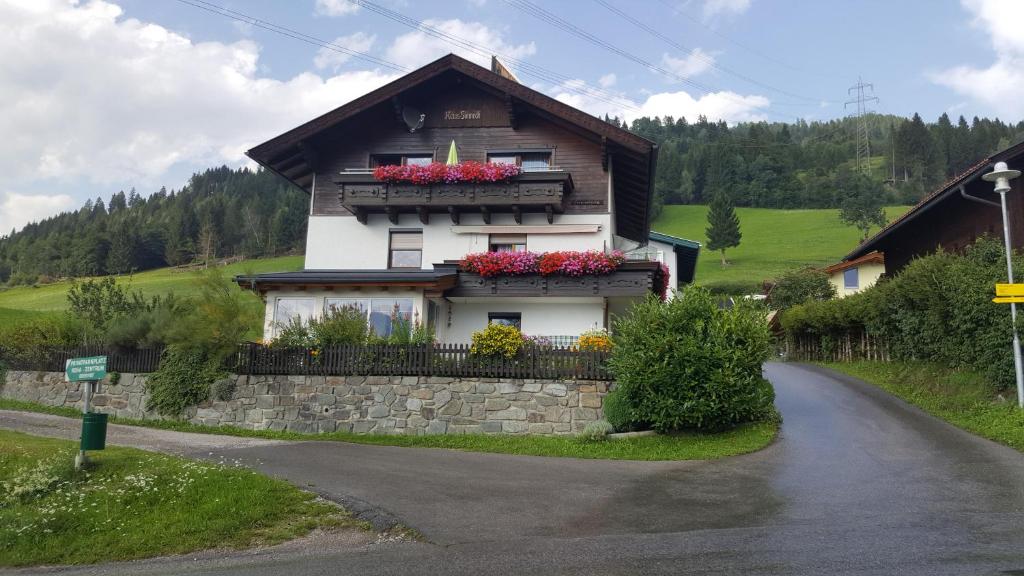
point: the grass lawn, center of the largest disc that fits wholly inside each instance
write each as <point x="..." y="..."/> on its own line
<point x="774" y="241"/>
<point x="683" y="446"/>
<point x="960" y="398"/>
<point x="53" y="297"/>
<point x="134" y="504"/>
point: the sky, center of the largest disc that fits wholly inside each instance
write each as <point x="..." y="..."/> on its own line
<point x="106" y="95"/>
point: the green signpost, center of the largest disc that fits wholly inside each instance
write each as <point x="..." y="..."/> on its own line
<point x="89" y="371"/>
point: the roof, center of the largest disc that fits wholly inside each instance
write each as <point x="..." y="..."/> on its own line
<point x="292" y="155"/>
<point x="686" y="251"/>
<point x="871" y="257"/>
<point x="414" y="277"/>
<point x="942" y="192"/>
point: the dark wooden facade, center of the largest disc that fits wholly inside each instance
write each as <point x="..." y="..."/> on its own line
<point x="631" y="279"/>
<point x="952" y="217"/>
<point x="482" y="112"/>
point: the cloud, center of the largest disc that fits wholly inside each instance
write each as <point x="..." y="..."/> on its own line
<point x="1000" y="84"/>
<point x="92" y="97"/>
<point x="16" y="210"/>
<point x="328" y="58"/>
<point x="417" y="48"/>
<point x="335" y="7"/>
<point x="714" y="8"/>
<point x="728" y="106"/>
<point x="694" y="63"/>
<point x="608" y="80"/>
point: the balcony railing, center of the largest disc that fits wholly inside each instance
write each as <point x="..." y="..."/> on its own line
<point x="630" y="279"/>
<point x="543" y="191"/>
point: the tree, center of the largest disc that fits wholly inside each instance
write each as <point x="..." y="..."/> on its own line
<point x="723" y="225"/>
<point x="862" y="202"/>
<point x="799" y="287"/>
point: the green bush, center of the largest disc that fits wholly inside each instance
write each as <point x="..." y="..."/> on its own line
<point x="800" y="286"/>
<point x="497" y="340"/>
<point x="182" y="380"/>
<point x="617" y="411"/>
<point x="596" y="431"/>
<point x="25" y="343"/>
<point x="347" y="325"/>
<point x="689" y="364"/>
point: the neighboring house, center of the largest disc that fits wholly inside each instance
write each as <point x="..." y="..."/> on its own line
<point x="952" y="217"/>
<point x="852" y="276"/>
<point x="393" y="248"/>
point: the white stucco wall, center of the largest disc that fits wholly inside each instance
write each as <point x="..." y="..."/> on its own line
<point x="342" y="243"/>
<point x="667" y="254"/>
<point x="868" y="274"/>
<point x="540" y="316"/>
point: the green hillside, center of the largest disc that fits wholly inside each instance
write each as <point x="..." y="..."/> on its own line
<point x="773" y="241"/>
<point x="25" y="300"/>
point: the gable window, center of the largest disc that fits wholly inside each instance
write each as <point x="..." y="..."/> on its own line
<point x="507" y="243"/>
<point x="406" y="249"/>
<point x="851" y="279"/>
<point x="417" y="159"/>
<point x="533" y="161"/>
<point x="506" y="319"/>
<point x="382" y="314"/>
<point x="289" y="310"/>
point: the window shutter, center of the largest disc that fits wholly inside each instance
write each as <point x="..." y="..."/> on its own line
<point x="406" y="240"/>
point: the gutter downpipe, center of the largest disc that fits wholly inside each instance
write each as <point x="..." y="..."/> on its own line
<point x="966" y="196"/>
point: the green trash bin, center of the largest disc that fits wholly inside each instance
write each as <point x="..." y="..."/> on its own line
<point x="94" y="431"/>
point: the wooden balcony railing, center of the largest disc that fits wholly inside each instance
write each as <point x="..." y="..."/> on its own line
<point x="362" y="194"/>
<point x="630" y="279"/>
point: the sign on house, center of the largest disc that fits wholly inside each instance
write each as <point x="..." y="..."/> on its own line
<point x="84" y="369"/>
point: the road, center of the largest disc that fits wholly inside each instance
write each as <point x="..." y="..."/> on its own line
<point x="858" y="483"/>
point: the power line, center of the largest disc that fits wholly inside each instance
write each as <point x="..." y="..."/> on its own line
<point x="861" y="100"/>
<point x="711" y="62"/>
<point x="241" y="17"/>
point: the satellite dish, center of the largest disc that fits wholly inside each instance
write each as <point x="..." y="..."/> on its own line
<point x="413" y="118"/>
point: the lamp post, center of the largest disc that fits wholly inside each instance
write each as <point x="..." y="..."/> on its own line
<point x="1002" y="175"/>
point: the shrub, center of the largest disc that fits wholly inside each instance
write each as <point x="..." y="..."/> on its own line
<point x="497" y="339"/>
<point x="155" y="324"/>
<point x="800" y="286"/>
<point x="346" y="325"/>
<point x="688" y="364"/>
<point x="617" y="411"/>
<point x="595" y="341"/>
<point x="99" y="302"/>
<point x="596" y="431"/>
<point x="25" y="343"/>
<point x="183" y="379"/>
<point x="294" y="334"/>
<point x="224" y="389"/>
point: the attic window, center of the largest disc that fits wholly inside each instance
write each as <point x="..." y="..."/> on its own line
<point x="418" y="159"/>
<point x="528" y="160"/>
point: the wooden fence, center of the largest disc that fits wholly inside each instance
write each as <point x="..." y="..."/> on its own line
<point x="843" y="347"/>
<point x="450" y="360"/>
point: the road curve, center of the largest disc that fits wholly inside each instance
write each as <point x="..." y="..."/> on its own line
<point x="858" y="483"/>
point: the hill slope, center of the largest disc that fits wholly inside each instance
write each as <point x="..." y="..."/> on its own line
<point x="774" y="241"/>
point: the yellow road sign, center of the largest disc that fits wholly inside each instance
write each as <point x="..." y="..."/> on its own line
<point x="1009" y="289"/>
<point x="1008" y="299"/>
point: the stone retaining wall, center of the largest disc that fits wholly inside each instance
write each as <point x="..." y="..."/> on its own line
<point x="361" y="404"/>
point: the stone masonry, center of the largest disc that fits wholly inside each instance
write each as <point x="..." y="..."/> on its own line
<point x="360" y="404"/>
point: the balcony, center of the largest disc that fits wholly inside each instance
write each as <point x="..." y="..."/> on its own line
<point x="630" y="279"/>
<point x="544" y="192"/>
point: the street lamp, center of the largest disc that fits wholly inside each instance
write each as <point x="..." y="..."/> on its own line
<point x="1002" y="175"/>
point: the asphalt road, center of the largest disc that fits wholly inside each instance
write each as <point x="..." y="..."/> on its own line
<point x="858" y="483"/>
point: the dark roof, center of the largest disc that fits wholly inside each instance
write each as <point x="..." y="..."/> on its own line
<point x="292" y="154"/>
<point x="416" y="277"/>
<point x="941" y="193"/>
<point x="686" y="251"/>
<point x="876" y="257"/>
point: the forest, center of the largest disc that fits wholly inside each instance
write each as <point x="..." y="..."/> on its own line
<point x="224" y="212"/>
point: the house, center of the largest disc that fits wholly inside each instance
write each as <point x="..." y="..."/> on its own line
<point x="952" y="217"/>
<point x="852" y="276"/>
<point x="390" y="243"/>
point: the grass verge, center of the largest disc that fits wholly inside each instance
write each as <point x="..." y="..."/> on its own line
<point x="682" y="446"/>
<point x="961" y="398"/>
<point x="132" y="504"/>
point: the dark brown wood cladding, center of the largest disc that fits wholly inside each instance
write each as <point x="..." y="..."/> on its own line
<point x="618" y="283"/>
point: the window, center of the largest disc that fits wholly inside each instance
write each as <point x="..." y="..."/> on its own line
<point x="506" y="319"/>
<point x="406" y="250"/>
<point x="528" y="161"/>
<point x="507" y="243"/>
<point x="380" y="312"/>
<point x="851" y="278"/>
<point x="288" y="309"/>
<point x="419" y="159"/>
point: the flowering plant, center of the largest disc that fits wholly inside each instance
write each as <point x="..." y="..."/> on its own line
<point x="664" y="287"/>
<point x="497" y="340"/>
<point x="438" y="172"/>
<point x="596" y="340"/>
<point x="568" y="263"/>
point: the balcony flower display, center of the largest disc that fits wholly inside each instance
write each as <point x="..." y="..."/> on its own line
<point x="566" y="263"/>
<point x="440" y="173"/>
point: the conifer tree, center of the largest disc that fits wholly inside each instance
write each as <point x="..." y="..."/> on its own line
<point x="723" y="229"/>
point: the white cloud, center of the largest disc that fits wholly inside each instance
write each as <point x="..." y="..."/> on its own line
<point x="999" y="85"/>
<point x="417" y="48"/>
<point x="16" y="210"/>
<point x="713" y="8"/>
<point x="694" y="63"/>
<point x="328" y="58"/>
<point x="335" y="7"/>
<point x="92" y="97"/>
<point x="727" y="106"/>
<point x="608" y="80"/>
